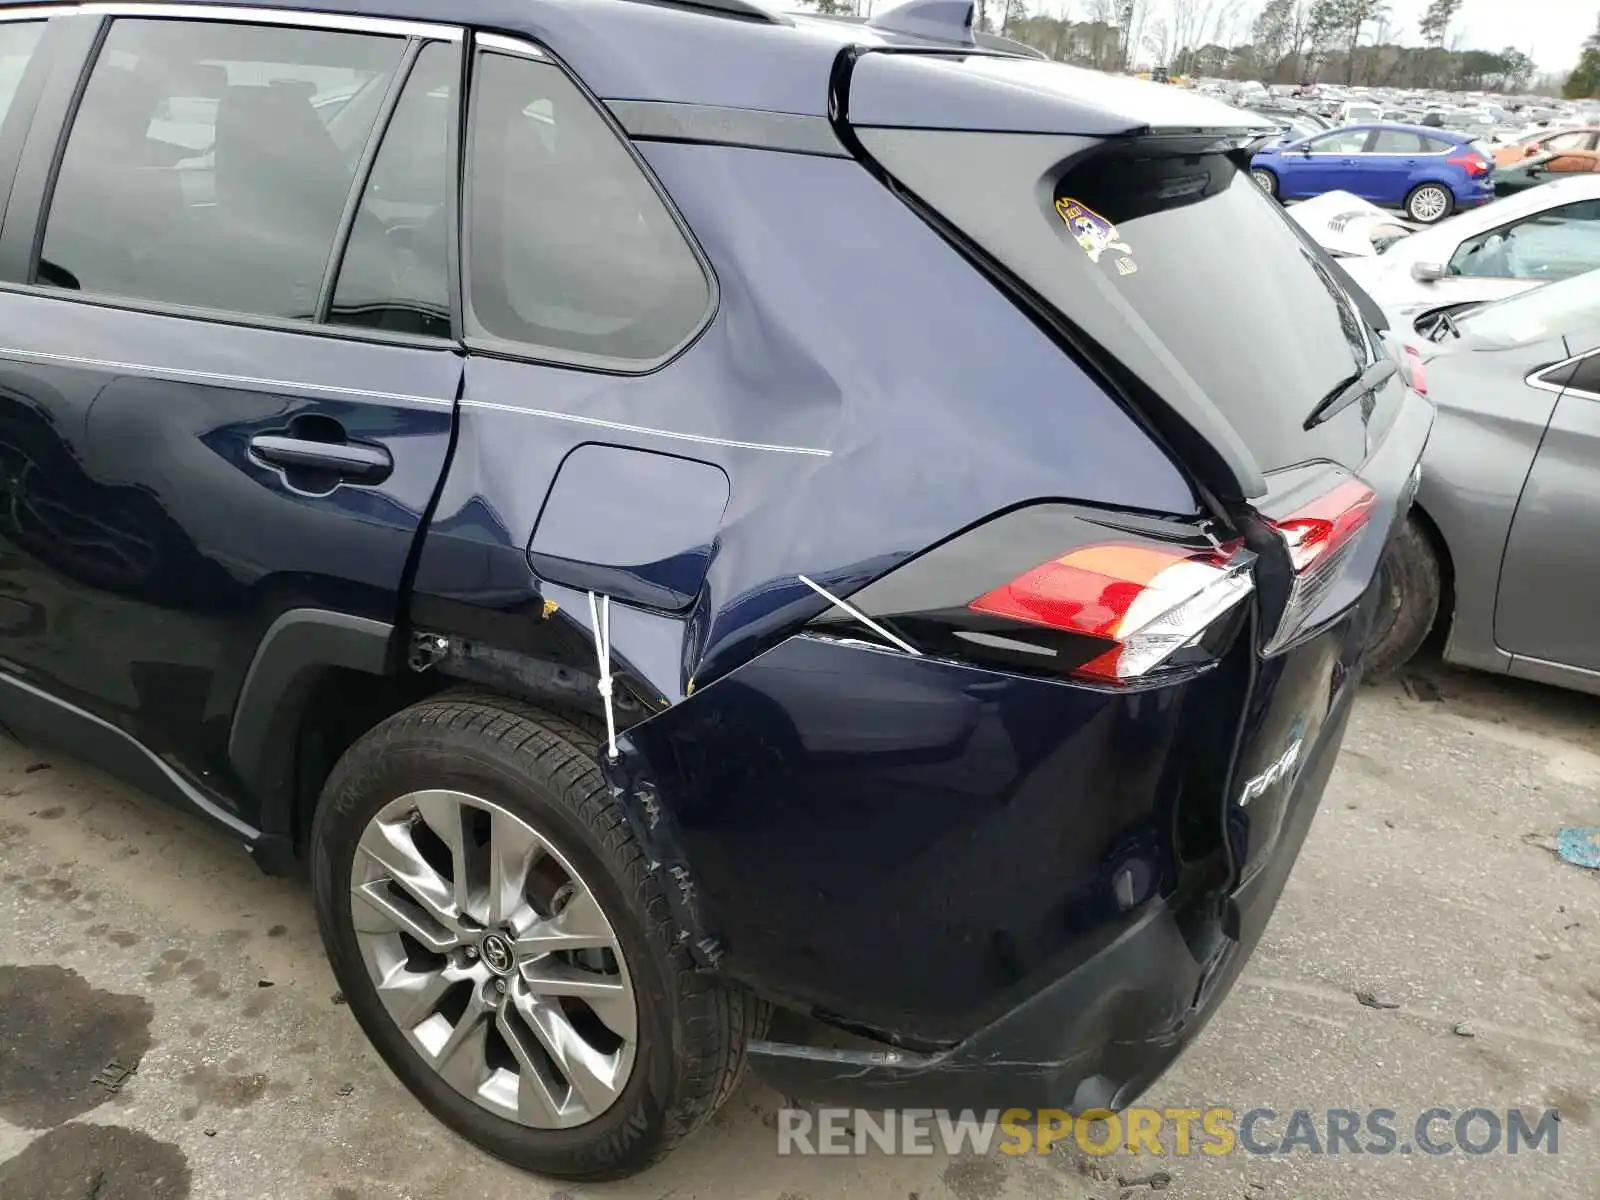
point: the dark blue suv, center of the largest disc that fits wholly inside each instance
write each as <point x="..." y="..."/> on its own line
<point x="712" y="537"/>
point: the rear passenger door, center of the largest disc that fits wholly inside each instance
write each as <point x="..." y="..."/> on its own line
<point x="227" y="364"/>
<point x="1394" y="158"/>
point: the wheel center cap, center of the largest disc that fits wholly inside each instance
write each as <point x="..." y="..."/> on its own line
<point x="496" y="953"/>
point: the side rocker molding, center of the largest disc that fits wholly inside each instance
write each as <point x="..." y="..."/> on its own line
<point x="295" y="649"/>
<point x="32" y="712"/>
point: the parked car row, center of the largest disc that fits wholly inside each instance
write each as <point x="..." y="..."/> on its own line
<point x="1427" y="173"/>
<point x="1493" y="251"/>
<point x="1492" y="118"/>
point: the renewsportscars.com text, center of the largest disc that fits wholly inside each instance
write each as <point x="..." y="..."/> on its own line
<point x="1170" y="1131"/>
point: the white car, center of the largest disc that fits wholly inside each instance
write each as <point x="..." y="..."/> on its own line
<point x="1357" y="112"/>
<point x="1545" y="233"/>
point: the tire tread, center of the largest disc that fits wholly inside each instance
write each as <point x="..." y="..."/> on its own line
<point x="712" y="1021"/>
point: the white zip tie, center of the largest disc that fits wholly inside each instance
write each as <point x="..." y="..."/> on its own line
<point x="860" y="616"/>
<point x="600" y="622"/>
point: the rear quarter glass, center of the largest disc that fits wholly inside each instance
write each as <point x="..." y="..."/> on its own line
<point x="1169" y="258"/>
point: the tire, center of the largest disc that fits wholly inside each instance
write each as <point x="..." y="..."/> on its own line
<point x="537" y="772"/>
<point x="1434" y="199"/>
<point x="1409" y="586"/>
<point x="1265" y="180"/>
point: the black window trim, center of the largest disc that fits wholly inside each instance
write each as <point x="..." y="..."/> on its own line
<point x="25" y="101"/>
<point x="35" y="12"/>
<point x="358" y="185"/>
<point x="100" y="16"/>
<point x="489" y="42"/>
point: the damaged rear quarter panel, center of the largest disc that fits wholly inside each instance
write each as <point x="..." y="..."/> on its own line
<point x="867" y="394"/>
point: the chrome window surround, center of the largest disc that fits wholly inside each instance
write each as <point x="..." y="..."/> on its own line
<point x="1537" y="378"/>
<point x="508" y="45"/>
<point x="243" y="15"/>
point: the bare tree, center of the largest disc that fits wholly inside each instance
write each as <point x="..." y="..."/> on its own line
<point x="1131" y="17"/>
<point x="1270" y="33"/>
<point x="1101" y="38"/>
<point x="1435" y="25"/>
<point x="1158" y="41"/>
<point x="1230" y="25"/>
<point x="1191" y="19"/>
<point x="1300" y="35"/>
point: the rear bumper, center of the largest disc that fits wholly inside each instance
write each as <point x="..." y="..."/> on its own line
<point x="1470" y="195"/>
<point x="1097" y="1037"/>
<point x="1017" y="878"/>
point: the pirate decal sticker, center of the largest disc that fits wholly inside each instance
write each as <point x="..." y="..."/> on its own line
<point x="1095" y="234"/>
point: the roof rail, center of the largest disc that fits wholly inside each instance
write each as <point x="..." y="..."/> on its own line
<point x="743" y="10"/>
<point x="941" y="20"/>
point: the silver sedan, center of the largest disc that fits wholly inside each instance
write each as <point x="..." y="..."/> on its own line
<point x="1500" y="553"/>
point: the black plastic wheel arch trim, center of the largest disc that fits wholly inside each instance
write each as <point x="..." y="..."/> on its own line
<point x="293" y="652"/>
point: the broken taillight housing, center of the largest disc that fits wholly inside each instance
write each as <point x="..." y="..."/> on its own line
<point x="1064" y="590"/>
<point x="1413" y="367"/>
<point x="1319" y="536"/>
<point x="1146" y="602"/>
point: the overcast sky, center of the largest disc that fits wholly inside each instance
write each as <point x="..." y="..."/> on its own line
<point x="1549" y="30"/>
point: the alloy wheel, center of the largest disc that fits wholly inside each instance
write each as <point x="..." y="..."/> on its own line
<point x="494" y="958"/>
<point x="1429" y="204"/>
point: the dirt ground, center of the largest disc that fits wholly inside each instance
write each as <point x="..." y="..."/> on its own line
<point x="130" y="934"/>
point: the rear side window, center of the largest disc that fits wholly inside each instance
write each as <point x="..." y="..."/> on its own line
<point x="18" y="39"/>
<point x="1438" y="145"/>
<point x="209" y="163"/>
<point x="1398" y="141"/>
<point x="1586" y="378"/>
<point x="571" y="252"/>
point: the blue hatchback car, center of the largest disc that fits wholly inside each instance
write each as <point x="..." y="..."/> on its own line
<point x="711" y="537"/>
<point x="1429" y="173"/>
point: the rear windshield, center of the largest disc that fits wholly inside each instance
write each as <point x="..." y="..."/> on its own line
<point x="1178" y="265"/>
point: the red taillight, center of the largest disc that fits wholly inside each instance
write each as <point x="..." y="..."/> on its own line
<point x="1473" y="164"/>
<point x="1149" y="601"/>
<point x="1319" y="536"/>
<point x="1328" y="522"/>
<point x="1415" y="370"/>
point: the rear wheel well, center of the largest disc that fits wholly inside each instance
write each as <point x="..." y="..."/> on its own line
<point x="1447" y="578"/>
<point x="344" y="704"/>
